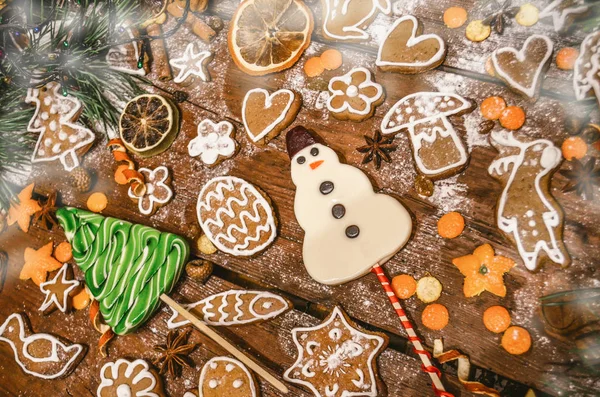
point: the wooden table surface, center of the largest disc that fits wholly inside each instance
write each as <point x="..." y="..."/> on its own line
<point x="280" y="269"/>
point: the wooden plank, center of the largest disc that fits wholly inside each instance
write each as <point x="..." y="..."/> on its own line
<point x="271" y="341"/>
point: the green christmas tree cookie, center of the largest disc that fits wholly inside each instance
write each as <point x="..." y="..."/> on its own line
<point x="127" y="267"/>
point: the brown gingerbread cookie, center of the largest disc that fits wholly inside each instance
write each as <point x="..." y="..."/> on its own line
<point x="354" y="95"/>
<point x="337" y="359"/>
<point x="224" y="376"/>
<point x="406" y="50"/>
<point x="526" y="211"/>
<point x="586" y="76"/>
<point x="265" y="115"/>
<point x="347" y="20"/>
<point x="59" y="291"/>
<point x="129" y="378"/>
<point x="522" y="70"/>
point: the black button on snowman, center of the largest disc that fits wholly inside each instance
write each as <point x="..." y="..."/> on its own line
<point x="348" y="227"/>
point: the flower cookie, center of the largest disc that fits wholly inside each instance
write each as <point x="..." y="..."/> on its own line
<point x="347" y="20"/>
<point x="406" y="50"/>
<point x="41" y="355"/>
<point x="336" y="358"/>
<point x="526" y="211"/>
<point x="522" y="70"/>
<point x="215" y="142"/>
<point x="438" y="151"/>
<point x="354" y="95"/>
<point x="235" y="216"/>
<point x="224" y="376"/>
<point x="265" y="115"/>
<point x="158" y="192"/>
<point x="586" y="76"/>
<point x="129" y="378"/>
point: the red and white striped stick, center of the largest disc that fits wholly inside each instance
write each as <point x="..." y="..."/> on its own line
<point x="427" y="366"/>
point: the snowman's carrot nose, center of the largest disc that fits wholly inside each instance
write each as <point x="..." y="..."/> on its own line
<point x="316" y="164"/>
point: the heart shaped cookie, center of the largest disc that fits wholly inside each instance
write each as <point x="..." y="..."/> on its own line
<point x="405" y="50"/>
<point x="266" y="115"/>
<point x="522" y="70"/>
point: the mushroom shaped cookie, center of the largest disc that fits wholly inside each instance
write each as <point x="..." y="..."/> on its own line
<point x="437" y="150"/>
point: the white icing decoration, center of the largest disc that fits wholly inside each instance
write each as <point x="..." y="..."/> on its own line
<point x="68" y="113"/>
<point x="191" y="64"/>
<point x="559" y="17"/>
<point x="330" y="257"/>
<point x="227" y="379"/>
<point x="222" y="298"/>
<point x="586" y="75"/>
<point x="347" y="79"/>
<point x="124" y="391"/>
<point x="214" y="140"/>
<point x="256" y="136"/>
<point x="551" y="216"/>
<point x="50" y="298"/>
<point x="229" y="367"/>
<point x="412" y="41"/>
<point x="215" y="190"/>
<point x="140" y="366"/>
<point x="332" y="361"/>
<point x="432" y="111"/>
<point x="148" y="201"/>
<point x="73" y="350"/>
<point x="335" y="9"/>
<point x="530" y="90"/>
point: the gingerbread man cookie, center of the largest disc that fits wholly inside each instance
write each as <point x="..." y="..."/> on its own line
<point x="354" y="96"/>
<point x="346" y="20"/>
<point x="224" y="376"/>
<point x="586" y="76"/>
<point x="526" y="211"/>
<point x="336" y="358"/>
<point x="236" y="217"/>
<point x="406" y="50"/>
<point x="348" y="227"/>
<point x="266" y="115"/>
<point x="129" y="378"/>
<point x="522" y="70"/>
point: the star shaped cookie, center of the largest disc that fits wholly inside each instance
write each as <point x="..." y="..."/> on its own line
<point x="191" y="64"/>
<point x="59" y="290"/>
<point x="336" y="358"/>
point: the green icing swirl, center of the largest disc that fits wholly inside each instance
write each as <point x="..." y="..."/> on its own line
<point x="127" y="267"/>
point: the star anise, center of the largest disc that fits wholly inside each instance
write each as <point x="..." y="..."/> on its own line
<point x="377" y="148"/>
<point x="174" y="354"/>
<point x="44" y="218"/>
<point x="582" y="178"/>
<point x="500" y="17"/>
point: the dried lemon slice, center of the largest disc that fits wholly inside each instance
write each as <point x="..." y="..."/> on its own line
<point x="148" y="125"/>
<point x="429" y="289"/>
<point x="267" y="36"/>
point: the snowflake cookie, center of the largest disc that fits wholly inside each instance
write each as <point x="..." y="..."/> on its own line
<point x="354" y="96"/>
<point x="336" y="358"/>
<point x="215" y="142"/>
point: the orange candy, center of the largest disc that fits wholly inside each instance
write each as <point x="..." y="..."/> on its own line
<point x="97" y="202"/>
<point x="451" y="225"/>
<point x="313" y="67"/>
<point x="455" y="17"/>
<point x="119" y="177"/>
<point x="435" y="316"/>
<point x="512" y="118"/>
<point x="566" y="57"/>
<point x="81" y="300"/>
<point x="574" y="148"/>
<point x="491" y="108"/>
<point x="63" y="252"/>
<point x="331" y="59"/>
<point x="496" y="319"/>
<point x="404" y="286"/>
<point x="516" y="340"/>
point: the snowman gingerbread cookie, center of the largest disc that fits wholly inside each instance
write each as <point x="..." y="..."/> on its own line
<point x="348" y="227"/>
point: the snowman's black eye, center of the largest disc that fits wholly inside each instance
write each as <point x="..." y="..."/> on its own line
<point x="314" y="151"/>
<point x="301" y="160"/>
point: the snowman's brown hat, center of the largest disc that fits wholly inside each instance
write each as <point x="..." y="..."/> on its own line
<point x="298" y="138"/>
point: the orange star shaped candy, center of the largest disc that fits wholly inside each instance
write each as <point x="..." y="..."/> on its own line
<point x="38" y="263"/>
<point x="483" y="271"/>
<point x="20" y="212"/>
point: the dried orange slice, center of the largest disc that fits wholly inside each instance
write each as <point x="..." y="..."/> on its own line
<point x="148" y="125"/>
<point x="267" y="36"/>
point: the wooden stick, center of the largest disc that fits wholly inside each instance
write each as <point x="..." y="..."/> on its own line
<point x="224" y="344"/>
<point x="424" y="355"/>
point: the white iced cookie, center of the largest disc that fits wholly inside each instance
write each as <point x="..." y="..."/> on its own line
<point x="348" y="227"/>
